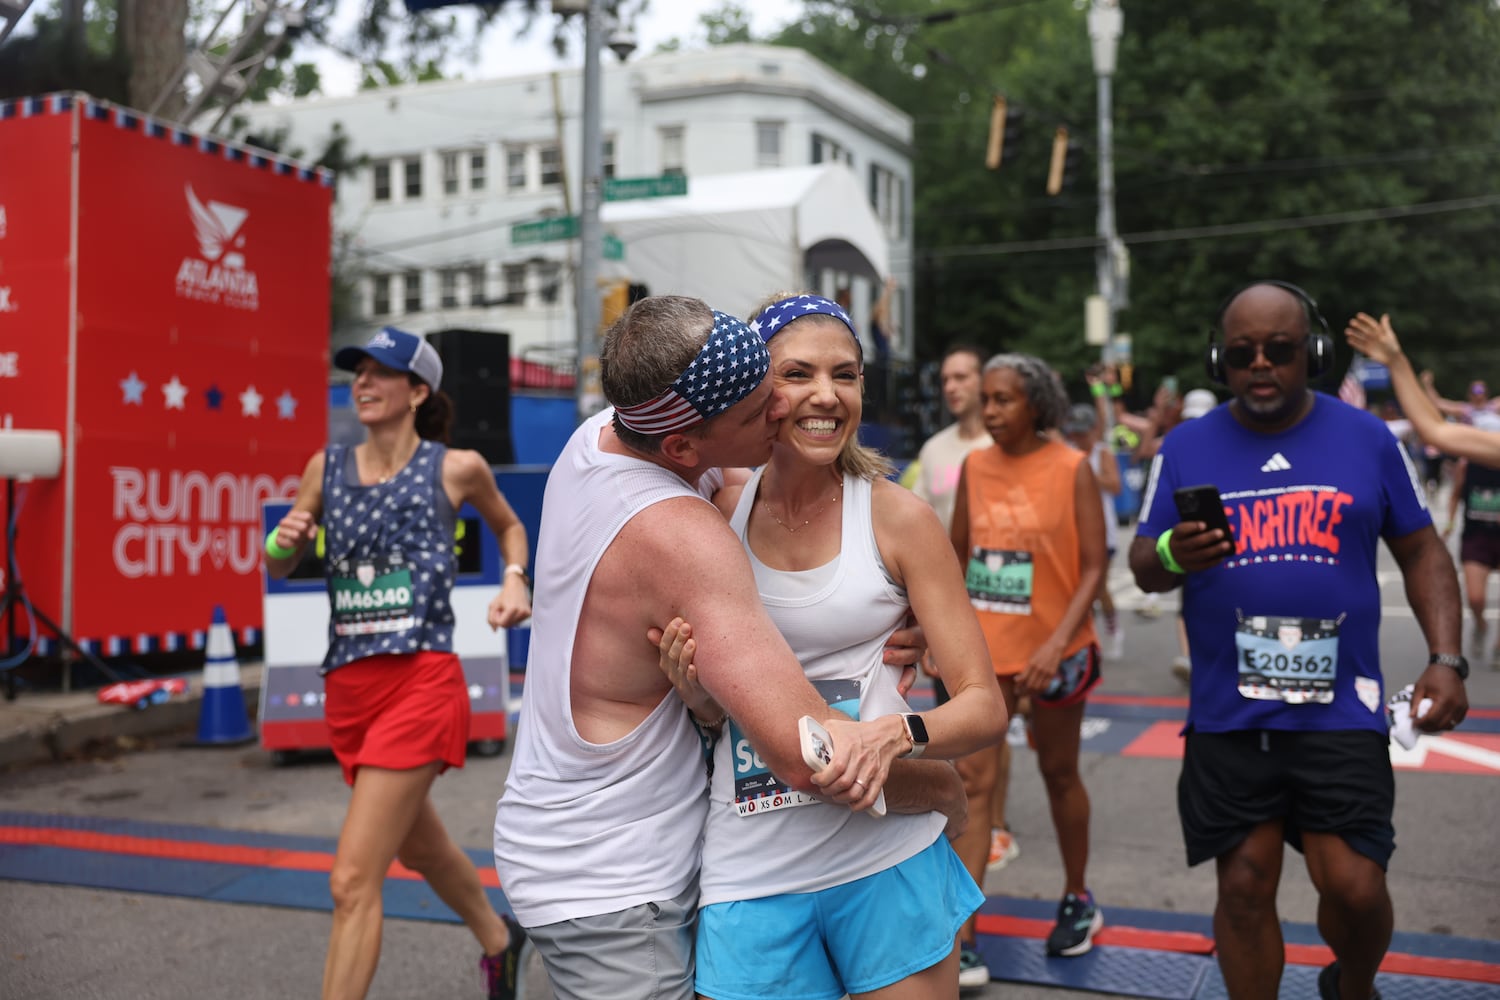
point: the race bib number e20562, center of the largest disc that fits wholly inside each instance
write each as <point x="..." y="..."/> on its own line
<point x="1293" y="660"/>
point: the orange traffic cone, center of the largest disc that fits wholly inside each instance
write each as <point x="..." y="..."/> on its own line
<point x="222" y="719"/>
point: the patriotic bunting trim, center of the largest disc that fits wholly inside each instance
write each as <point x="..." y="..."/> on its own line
<point x="133" y="121"/>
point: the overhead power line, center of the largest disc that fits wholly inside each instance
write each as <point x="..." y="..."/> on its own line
<point x="1226" y="229"/>
<point x="935" y="17"/>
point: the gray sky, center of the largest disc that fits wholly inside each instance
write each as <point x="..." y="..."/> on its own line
<point x="504" y="54"/>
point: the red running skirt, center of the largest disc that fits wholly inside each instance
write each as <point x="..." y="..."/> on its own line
<point x="397" y="711"/>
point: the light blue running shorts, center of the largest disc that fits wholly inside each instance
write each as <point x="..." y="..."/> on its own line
<point x="852" y="938"/>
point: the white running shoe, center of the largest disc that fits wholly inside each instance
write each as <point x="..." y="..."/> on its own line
<point x="1003" y="849"/>
<point x="972" y="972"/>
<point x="1114" y="642"/>
<point x="1478" y="632"/>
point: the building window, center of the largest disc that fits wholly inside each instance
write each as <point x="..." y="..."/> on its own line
<point x="607" y="163"/>
<point x="550" y="284"/>
<point x="380" y="295"/>
<point x="476" y="286"/>
<point x="672" y="156"/>
<point x="411" y="169"/>
<point x="450" y="174"/>
<point x="896" y="309"/>
<point x="515" y="284"/>
<point x="826" y="150"/>
<point x="549" y="157"/>
<point x="476" y="170"/>
<point x="888" y="198"/>
<point x="448" y="287"/>
<point x="515" y="169"/>
<point x="382" y="175"/>
<point x="412" y="285"/>
<point x="768" y="144"/>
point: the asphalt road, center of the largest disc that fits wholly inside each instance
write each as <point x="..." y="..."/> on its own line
<point x="66" y="942"/>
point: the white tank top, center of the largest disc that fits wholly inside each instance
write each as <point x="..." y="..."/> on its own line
<point x="587" y="828"/>
<point x="1111" y="519"/>
<point x="836" y="618"/>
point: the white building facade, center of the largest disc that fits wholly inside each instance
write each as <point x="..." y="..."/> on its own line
<point x="455" y="166"/>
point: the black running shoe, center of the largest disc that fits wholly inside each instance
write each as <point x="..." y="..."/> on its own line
<point x="504" y="973"/>
<point x="1328" y="983"/>
<point x="1078" y="920"/>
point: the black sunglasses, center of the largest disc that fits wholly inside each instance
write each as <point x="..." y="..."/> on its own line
<point x="1277" y="352"/>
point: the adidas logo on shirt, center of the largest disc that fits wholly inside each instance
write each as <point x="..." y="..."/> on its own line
<point x="1276" y="463"/>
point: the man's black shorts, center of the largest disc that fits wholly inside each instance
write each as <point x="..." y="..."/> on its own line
<point x="1334" y="782"/>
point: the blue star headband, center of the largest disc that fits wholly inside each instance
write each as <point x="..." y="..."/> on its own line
<point x="778" y="314"/>
<point x="731" y="365"/>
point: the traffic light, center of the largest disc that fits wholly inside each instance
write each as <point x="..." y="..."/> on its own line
<point x="616" y="301"/>
<point x="1005" y="128"/>
<point x="617" y="296"/>
<point x="1065" y="158"/>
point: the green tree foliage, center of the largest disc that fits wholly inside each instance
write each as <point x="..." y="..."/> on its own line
<point x="66" y="51"/>
<point x="1380" y="116"/>
<point x="383" y="73"/>
<point x="1349" y="146"/>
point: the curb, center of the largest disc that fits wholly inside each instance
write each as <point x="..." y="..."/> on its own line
<point x="44" y="727"/>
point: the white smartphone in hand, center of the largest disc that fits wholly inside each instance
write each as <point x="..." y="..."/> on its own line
<point x="817" y="752"/>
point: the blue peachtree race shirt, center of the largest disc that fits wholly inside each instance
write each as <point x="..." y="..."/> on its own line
<point x="1285" y="632"/>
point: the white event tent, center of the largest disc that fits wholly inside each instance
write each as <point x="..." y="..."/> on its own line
<point x="735" y="238"/>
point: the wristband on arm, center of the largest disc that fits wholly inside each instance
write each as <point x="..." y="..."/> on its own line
<point x="1164" y="553"/>
<point x="274" y="550"/>
<point x="1098" y="389"/>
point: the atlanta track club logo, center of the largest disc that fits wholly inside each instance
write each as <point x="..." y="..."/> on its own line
<point x="218" y="274"/>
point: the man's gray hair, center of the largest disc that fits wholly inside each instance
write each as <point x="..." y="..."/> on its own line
<point x="1039" y="382"/>
<point x="646" y="350"/>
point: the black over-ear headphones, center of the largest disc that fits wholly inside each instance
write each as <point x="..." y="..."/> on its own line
<point x="1319" y="340"/>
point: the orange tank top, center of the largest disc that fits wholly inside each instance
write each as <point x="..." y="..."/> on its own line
<point x="1023" y="564"/>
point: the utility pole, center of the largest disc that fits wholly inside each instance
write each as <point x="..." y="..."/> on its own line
<point x="1106" y="21"/>
<point x="589" y="394"/>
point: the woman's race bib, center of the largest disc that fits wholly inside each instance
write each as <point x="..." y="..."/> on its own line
<point x="999" y="580"/>
<point x="756" y="789"/>
<point x="372" y="596"/>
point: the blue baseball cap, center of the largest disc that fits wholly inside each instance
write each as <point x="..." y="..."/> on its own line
<point x="399" y="351"/>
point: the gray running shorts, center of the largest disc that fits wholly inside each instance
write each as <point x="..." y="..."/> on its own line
<point x="643" y="953"/>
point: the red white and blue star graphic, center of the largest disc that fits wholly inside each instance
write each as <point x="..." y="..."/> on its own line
<point x="175" y="395"/>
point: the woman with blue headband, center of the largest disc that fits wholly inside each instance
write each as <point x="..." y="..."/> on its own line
<point x="799" y="896"/>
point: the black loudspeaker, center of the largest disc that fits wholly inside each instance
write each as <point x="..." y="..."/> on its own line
<point x="1319" y="340"/>
<point x="476" y="375"/>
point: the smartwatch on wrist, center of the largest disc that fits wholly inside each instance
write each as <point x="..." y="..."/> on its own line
<point x="1458" y="663"/>
<point x="520" y="571"/>
<point x="916" y="731"/>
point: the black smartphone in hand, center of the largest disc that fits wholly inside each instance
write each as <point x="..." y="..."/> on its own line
<point x="1202" y="503"/>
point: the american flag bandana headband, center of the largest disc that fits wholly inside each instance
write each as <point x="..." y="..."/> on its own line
<point x="731" y="365"/>
<point x="778" y="314"/>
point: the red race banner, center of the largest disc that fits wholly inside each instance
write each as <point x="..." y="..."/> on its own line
<point x="35" y="284"/>
<point x="199" y="369"/>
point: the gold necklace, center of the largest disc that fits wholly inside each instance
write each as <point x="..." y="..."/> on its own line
<point x="385" y="477"/>
<point x="796" y="528"/>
